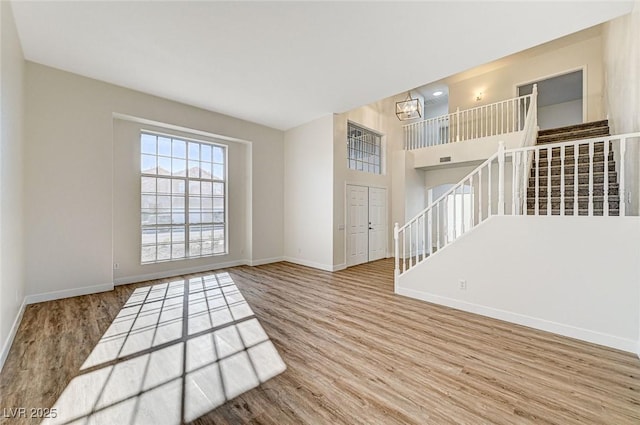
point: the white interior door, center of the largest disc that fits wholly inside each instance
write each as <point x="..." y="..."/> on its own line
<point x="366" y="224"/>
<point x="377" y="223"/>
<point x="357" y="225"/>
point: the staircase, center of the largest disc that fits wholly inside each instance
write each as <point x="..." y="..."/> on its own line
<point x="541" y="168"/>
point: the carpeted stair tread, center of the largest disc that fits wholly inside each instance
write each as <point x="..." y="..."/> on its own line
<point x="569" y="128"/>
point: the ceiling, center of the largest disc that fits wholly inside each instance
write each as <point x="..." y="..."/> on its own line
<point x="282" y="64"/>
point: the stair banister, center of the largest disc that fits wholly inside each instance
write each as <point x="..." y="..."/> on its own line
<point x="422" y="224"/>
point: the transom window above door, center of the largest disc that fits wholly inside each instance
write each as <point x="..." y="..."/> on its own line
<point x="364" y="149"/>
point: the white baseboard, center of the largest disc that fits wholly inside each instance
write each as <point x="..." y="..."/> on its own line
<point x="176" y="272"/>
<point x="264" y="261"/>
<point x="12" y="334"/>
<point x="307" y="263"/>
<point x="588" y="335"/>
<point x="68" y="293"/>
<point x="338" y="267"/>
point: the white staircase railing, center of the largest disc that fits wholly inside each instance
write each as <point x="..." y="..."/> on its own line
<point x="583" y="177"/>
<point x="507" y="116"/>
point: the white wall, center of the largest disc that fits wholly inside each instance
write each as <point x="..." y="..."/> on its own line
<point x="622" y="91"/>
<point x="576" y="276"/>
<point x="69" y="176"/>
<point x="11" y="188"/>
<point x="560" y="114"/>
<point x="308" y="194"/>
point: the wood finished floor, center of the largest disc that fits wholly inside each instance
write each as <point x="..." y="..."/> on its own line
<point x="358" y="354"/>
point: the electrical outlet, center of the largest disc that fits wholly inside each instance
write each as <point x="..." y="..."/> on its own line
<point x="116" y="266"/>
<point x="463" y="285"/>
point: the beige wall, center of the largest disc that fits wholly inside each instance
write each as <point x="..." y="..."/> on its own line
<point x="308" y="193"/>
<point x="11" y="190"/>
<point x="498" y="81"/>
<point x="69" y="176"/>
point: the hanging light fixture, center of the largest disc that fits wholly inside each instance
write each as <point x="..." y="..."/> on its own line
<point x="409" y="108"/>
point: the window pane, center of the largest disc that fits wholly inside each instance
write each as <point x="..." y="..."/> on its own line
<point x="148" y="144"/>
<point x="177" y="234"/>
<point x="148" y="218"/>
<point x="148" y="254"/>
<point x="205" y="168"/>
<point x="179" y="149"/>
<point x="205" y="153"/>
<point x="218" y="154"/>
<point x="148" y="201"/>
<point x="164" y="186"/>
<point x="148" y="164"/>
<point x="163" y="203"/>
<point x="178" y="187"/>
<point x="195" y="233"/>
<point x="177" y="250"/>
<point x="194" y="151"/>
<point x="164" y="252"/>
<point x="148" y="236"/>
<point x="164" y="218"/>
<point x="164" y="146"/>
<point x="206" y="203"/>
<point x="177" y="218"/>
<point x="164" y="234"/>
<point x="194" y="169"/>
<point x="194" y="188"/>
<point x="218" y="188"/>
<point x="179" y="167"/>
<point x="164" y="166"/>
<point x="148" y="185"/>
<point x="177" y="203"/>
<point x="194" y="249"/>
<point x="218" y="172"/>
<point x="206" y="188"/>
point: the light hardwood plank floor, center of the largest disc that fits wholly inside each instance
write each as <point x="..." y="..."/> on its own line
<point x="356" y="353"/>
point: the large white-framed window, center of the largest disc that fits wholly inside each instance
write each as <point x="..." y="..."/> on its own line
<point x="364" y="149"/>
<point x="183" y="198"/>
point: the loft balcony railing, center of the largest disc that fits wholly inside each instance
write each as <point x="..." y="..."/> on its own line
<point x="495" y="119"/>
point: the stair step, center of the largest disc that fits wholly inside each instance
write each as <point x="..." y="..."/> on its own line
<point x="569" y="160"/>
<point x="573" y="135"/>
<point x="598" y="167"/>
<point x="598" y="149"/>
<point x="586" y="125"/>
<point x="583" y="190"/>
<point x="598" y="178"/>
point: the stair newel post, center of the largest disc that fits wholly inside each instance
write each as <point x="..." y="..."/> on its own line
<point x="605" y="189"/>
<point x="549" y="158"/>
<point x="591" y="169"/>
<point x="562" y="183"/>
<point x="501" y="178"/>
<point x="623" y="201"/>
<point x="458" y="124"/>
<point x="396" y="270"/>
<point x="534" y="104"/>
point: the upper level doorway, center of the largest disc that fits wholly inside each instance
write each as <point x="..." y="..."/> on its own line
<point x="561" y="99"/>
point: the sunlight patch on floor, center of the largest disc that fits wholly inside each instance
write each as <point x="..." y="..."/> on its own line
<point x="174" y="352"/>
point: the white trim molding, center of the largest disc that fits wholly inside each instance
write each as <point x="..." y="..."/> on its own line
<point x="6" y="347"/>
<point x="313" y="264"/>
<point x="583" y="334"/>
<point x="68" y="293"/>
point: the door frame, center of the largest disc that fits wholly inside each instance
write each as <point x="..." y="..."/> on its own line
<point x="345" y="216"/>
<point x="582" y="68"/>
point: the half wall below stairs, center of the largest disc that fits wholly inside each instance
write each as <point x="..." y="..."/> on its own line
<point x="574" y="276"/>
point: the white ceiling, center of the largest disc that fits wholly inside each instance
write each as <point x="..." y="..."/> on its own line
<point x="282" y="64"/>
